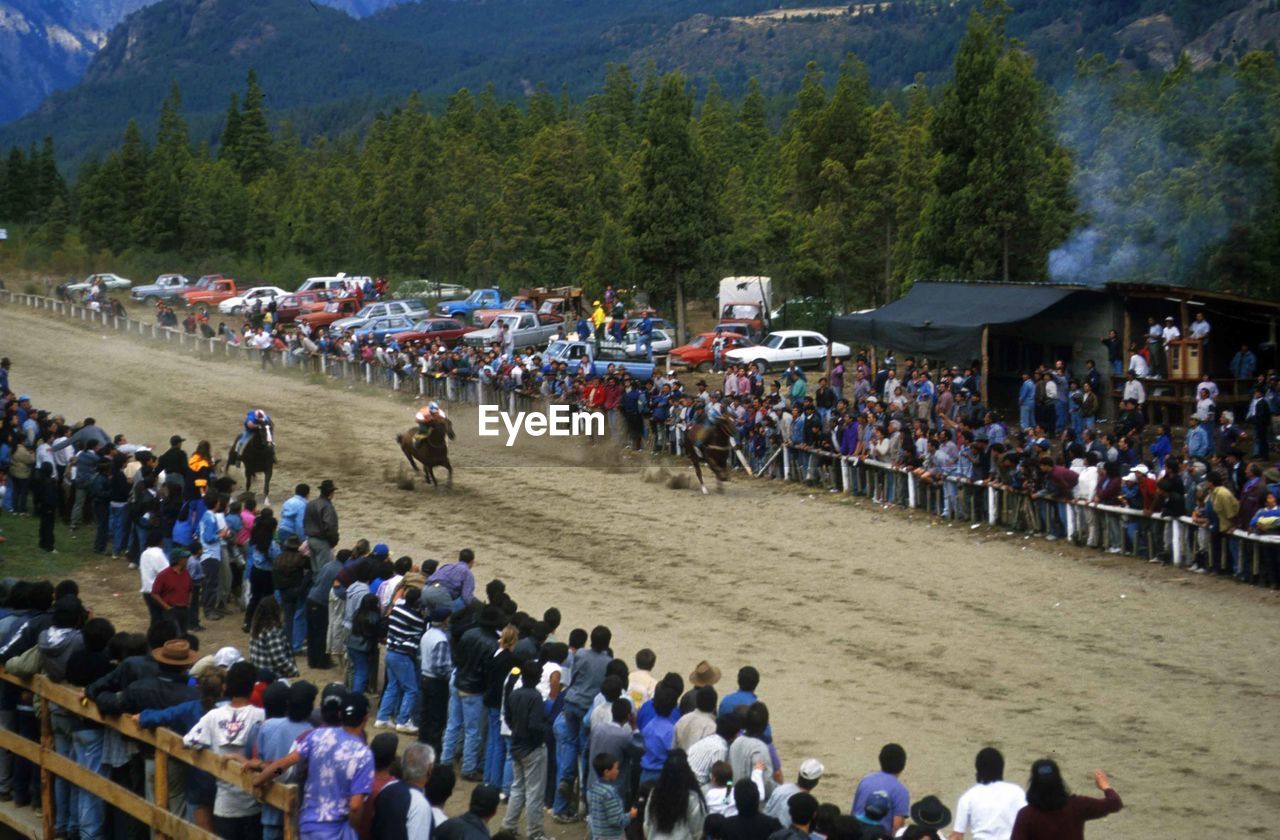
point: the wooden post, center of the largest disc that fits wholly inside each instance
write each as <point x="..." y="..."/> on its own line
<point x="46" y="777"/>
<point x="161" y="784"/>
<point x="986" y="363"/>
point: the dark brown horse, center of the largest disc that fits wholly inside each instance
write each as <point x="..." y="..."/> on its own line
<point x="716" y="441"/>
<point x="258" y="458"/>
<point x="430" y="447"/>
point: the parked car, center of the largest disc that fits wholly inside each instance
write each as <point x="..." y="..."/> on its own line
<point x="338" y="283"/>
<point x="379" y="329"/>
<point x="291" y="306"/>
<point x="660" y="339"/>
<point x="431" y="290"/>
<point x="519" y="303"/>
<point x="461" y="309"/>
<point x="412" y="309"/>
<point x="110" y="281"/>
<point x="445" y="331"/>
<point x="529" y="328"/>
<point x="572" y="353"/>
<point x="698" y="353"/>
<point x="804" y="347"/>
<point x="166" y="287"/>
<point x="244" y="302"/>
<point x="334" y="310"/>
<point x="218" y="289"/>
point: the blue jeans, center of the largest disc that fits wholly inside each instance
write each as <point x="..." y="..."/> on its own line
<point x="495" y="755"/>
<point x="453" y="724"/>
<point x="87" y="744"/>
<point x="359" y="660"/>
<point x="1117" y="367"/>
<point x="401" y="691"/>
<point x="102" y="520"/>
<point x="119" y="528"/>
<point x="568" y="731"/>
<point x="65" y="794"/>
<point x="473" y="724"/>
<point x="1026" y="416"/>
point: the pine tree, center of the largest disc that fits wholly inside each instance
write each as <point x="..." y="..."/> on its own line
<point x="671" y="210"/>
<point x="229" y="142"/>
<point x="253" y="144"/>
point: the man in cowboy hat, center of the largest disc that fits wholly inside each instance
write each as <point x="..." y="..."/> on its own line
<point x="704" y="674"/>
<point x="320" y="522"/>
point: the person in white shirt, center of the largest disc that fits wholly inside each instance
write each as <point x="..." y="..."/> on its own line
<point x="225" y="730"/>
<point x="987" y="810"/>
<point x="1133" y="389"/>
<point x="1138" y="364"/>
<point x="152" y="562"/>
<point x="1199" y="327"/>
<point x="1170" y="331"/>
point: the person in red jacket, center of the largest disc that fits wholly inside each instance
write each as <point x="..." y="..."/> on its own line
<point x="1052" y="813"/>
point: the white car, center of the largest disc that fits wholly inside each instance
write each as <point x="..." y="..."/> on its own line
<point x="660" y="339"/>
<point x="111" y="281"/>
<point x="244" y="302"/>
<point x="804" y="347"/>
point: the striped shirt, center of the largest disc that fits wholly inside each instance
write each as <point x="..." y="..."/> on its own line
<point x="705" y="753"/>
<point x="404" y="630"/>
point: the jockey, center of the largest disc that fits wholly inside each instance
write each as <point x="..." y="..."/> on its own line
<point x="255" y="419"/>
<point x="425" y="415"/>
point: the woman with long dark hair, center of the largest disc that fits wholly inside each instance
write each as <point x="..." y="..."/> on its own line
<point x="1053" y="813"/>
<point x="261" y="551"/>
<point x="676" y="809"/>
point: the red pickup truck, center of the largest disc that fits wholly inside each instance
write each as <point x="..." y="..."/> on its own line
<point x="218" y="290"/>
<point x="334" y="310"/>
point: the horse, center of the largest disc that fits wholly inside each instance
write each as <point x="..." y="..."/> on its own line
<point x="429" y="447"/>
<point x="258" y="458"/>
<point x="716" y="441"/>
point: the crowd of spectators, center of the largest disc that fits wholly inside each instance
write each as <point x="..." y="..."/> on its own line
<point x="541" y="722"/>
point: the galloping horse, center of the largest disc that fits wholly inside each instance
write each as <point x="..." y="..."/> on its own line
<point x="258" y="458"/>
<point x="429" y="447"/>
<point x="716" y="441"/>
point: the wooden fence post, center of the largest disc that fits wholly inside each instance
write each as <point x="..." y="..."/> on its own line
<point x="46" y="777"/>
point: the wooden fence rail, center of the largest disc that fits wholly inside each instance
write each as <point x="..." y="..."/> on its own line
<point x="168" y="745"/>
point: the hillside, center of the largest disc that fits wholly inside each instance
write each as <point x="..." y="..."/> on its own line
<point x="46" y="45"/>
<point x="328" y="73"/>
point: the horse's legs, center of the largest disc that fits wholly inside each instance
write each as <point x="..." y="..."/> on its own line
<point x="413" y="465"/>
<point x="266" y="487"/>
<point x="429" y="474"/>
<point x="449" y="467"/>
<point x="693" y="459"/>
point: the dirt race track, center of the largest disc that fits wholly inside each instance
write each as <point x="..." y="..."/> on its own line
<point x="867" y="627"/>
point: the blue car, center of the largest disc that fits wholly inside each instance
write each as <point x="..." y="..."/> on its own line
<point x="380" y="329"/>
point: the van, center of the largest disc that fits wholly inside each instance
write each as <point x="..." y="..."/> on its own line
<point x="338" y="283"/>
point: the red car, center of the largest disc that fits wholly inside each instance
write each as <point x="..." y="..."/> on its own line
<point x="698" y="355"/>
<point x="292" y="305"/>
<point x="436" y="331"/>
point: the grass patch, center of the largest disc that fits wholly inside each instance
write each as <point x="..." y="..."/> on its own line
<point x="21" y="557"/>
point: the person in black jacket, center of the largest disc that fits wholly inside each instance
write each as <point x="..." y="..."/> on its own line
<point x="475" y="650"/>
<point x="526" y="716"/>
<point x="474" y="824"/>
<point x="749" y="823"/>
<point x="47" y="500"/>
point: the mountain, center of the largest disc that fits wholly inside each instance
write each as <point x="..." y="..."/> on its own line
<point x="327" y="72"/>
<point x="45" y="45"/>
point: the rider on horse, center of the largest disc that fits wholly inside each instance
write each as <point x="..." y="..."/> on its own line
<point x="254" y="420"/>
<point x="426" y="416"/>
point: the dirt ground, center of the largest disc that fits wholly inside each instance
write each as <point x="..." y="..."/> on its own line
<point x="868" y="626"/>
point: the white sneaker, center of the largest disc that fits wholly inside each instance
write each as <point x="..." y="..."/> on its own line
<point x="383" y="724"/>
<point x="407" y="729"/>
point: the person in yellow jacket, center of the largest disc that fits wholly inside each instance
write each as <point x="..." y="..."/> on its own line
<point x="201" y="464"/>
<point x="597" y="321"/>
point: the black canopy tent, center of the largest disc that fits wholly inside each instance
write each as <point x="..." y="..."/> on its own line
<point x="947" y="320"/>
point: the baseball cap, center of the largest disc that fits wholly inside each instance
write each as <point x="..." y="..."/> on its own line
<point x="484" y="799"/>
<point x="176" y="440"/>
<point x="877" y="807"/>
<point x="226" y="657"/>
<point x="811" y="769"/>
<point x="354" y="709"/>
<point x="381" y="550"/>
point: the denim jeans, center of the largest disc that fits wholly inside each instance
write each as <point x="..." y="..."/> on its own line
<point x="568" y="731"/>
<point x="18" y="494"/>
<point x="1026" y="416"/>
<point x="88" y="752"/>
<point x="359" y="660"/>
<point x="401" y="691"/>
<point x="473" y="730"/>
<point x="528" y="780"/>
<point x="1117" y="367"/>
<point x="495" y="756"/>
<point x="66" y="799"/>
<point x="119" y="527"/>
<point x="453" y="724"/>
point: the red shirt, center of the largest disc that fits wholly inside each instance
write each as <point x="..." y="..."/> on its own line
<point x="173" y="587"/>
<point x="1067" y="823"/>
